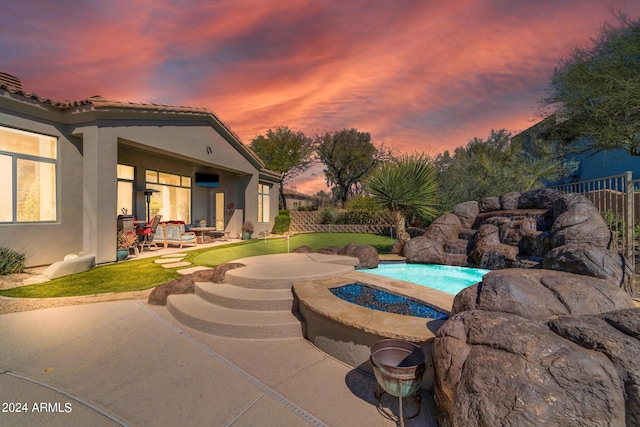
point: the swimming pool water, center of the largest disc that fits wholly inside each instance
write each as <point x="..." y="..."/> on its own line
<point x="444" y="278"/>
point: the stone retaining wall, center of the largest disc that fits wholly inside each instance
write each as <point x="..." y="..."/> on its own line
<point x="309" y="221"/>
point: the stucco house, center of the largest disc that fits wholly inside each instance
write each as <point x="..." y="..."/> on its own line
<point x="590" y="165"/>
<point x="68" y="169"/>
<point x="296" y="200"/>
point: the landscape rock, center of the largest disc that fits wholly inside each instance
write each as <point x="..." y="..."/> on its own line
<point x="215" y="275"/>
<point x="615" y="335"/>
<point x="542" y="294"/>
<point x="186" y="284"/>
<point x="577" y="221"/>
<point x="302" y="250"/>
<point x="329" y="250"/>
<point x="466" y="213"/>
<point x="443" y="228"/>
<point x="512" y="232"/>
<point x="593" y="261"/>
<point x="424" y="250"/>
<point x="542" y="198"/>
<point x="497" y="369"/>
<point x="489" y="204"/>
<point x="180" y="285"/>
<point x="510" y="201"/>
<point x="536" y="244"/>
<point x="367" y="255"/>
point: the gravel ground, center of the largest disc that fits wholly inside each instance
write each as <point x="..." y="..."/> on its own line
<point x="15" y="305"/>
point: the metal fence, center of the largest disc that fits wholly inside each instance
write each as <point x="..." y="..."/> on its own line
<point x="618" y="200"/>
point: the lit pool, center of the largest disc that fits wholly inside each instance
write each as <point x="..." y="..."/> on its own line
<point x="444" y="278"/>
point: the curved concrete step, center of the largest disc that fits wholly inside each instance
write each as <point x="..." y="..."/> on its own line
<point x="282" y="276"/>
<point x="199" y="314"/>
<point x="235" y="297"/>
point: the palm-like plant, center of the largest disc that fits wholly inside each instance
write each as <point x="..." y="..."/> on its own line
<point x="405" y="186"/>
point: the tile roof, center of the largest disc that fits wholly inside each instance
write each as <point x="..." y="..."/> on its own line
<point x="13" y="85"/>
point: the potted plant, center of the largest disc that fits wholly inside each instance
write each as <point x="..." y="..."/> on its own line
<point x="202" y="223"/>
<point x="247" y="230"/>
<point x="125" y="241"/>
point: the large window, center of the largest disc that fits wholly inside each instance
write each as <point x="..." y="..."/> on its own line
<point x="173" y="197"/>
<point x="126" y="175"/>
<point x="263" y="202"/>
<point x="27" y="176"/>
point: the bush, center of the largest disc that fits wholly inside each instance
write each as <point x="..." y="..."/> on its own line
<point x="362" y="203"/>
<point x="284" y="212"/>
<point x="281" y="223"/>
<point x="11" y="261"/>
<point x="308" y="208"/>
<point x="327" y="216"/>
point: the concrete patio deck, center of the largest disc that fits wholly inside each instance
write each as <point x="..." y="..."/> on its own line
<point x="128" y="363"/>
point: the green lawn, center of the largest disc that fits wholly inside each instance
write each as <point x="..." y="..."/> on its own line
<point x="144" y="274"/>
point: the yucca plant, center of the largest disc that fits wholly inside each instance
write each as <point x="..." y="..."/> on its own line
<point x="405" y="186"/>
<point x="11" y="261"/>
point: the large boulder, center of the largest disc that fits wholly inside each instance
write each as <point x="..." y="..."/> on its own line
<point x="180" y="285"/>
<point x="542" y="294"/>
<point x="467" y="213"/>
<point x="577" y="221"/>
<point x="510" y="201"/>
<point x="443" y="228"/>
<point x="216" y="275"/>
<point x="489" y="204"/>
<point x="496" y="369"/>
<point x="367" y="255"/>
<point x="186" y="284"/>
<point x="488" y="251"/>
<point x="542" y="198"/>
<point x="424" y="250"/>
<point x="512" y="232"/>
<point x="593" y="261"/>
<point x="617" y="336"/>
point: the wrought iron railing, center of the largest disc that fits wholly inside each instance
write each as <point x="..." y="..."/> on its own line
<point x="617" y="199"/>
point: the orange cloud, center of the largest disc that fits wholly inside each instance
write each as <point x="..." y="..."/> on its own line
<point x="419" y="76"/>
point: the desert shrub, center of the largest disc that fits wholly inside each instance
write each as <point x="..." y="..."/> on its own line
<point x="308" y="208"/>
<point x="281" y="223"/>
<point x="11" y="261"/>
<point x="327" y="216"/>
<point x="361" y="203"/>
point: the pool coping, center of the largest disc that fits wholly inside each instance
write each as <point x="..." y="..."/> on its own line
<point x="315" y="296"/>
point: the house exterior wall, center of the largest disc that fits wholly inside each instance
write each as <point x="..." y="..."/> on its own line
<point x="63" y="236"/>
<point x="600" y="165"/>
<point x="92" y="142"/>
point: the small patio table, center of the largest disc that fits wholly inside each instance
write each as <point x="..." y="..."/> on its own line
<point x="202" y="230"/>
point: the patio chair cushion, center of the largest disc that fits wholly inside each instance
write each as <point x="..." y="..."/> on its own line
<point x="175" y="234"/>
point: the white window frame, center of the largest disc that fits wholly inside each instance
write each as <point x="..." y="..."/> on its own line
<point x="264" y="202"/>
<point x="15" y="157"/>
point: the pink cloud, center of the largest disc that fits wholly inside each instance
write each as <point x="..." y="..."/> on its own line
<point x="420" y="76"/>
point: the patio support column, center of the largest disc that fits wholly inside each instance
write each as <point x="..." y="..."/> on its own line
<point x="99" y="189"/>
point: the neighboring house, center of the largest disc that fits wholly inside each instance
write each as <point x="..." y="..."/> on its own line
<point x="589" y="165"/>
<point x="296" y="199"/>
<point x="68" y="169"/>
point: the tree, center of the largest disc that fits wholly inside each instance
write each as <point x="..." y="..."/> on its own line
<point x="286" y="152"/>
<point x="348" y="156"/>
<point x="405" y="186"/>
<point x="496" y="166"/>
<point x="596" y="90"/>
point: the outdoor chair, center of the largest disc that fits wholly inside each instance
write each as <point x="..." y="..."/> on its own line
<point x="128" y="227"/>
<point x="148" y="233"/>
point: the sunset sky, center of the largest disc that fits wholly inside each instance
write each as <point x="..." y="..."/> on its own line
<point x="419" y="75"/>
